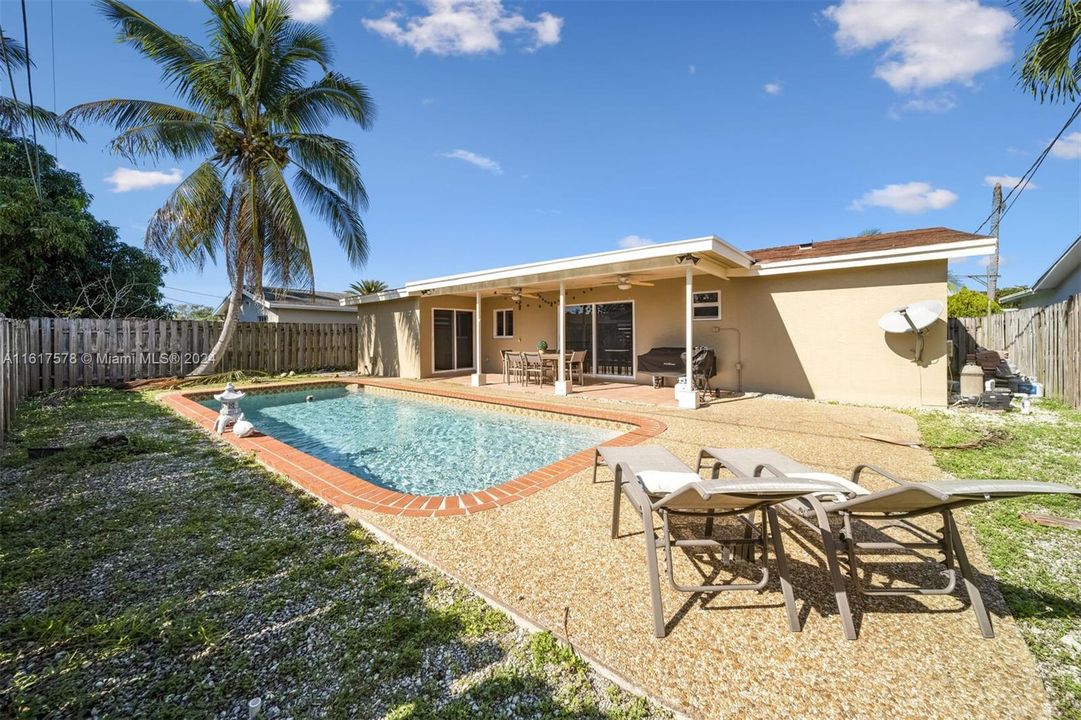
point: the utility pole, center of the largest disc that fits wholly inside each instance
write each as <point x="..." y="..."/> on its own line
<point x="992" y="265"/>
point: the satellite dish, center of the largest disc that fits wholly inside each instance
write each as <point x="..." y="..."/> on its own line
<point x="914" y="318"/>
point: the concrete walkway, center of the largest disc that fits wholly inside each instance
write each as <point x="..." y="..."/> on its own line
<point x="549" y="558"/>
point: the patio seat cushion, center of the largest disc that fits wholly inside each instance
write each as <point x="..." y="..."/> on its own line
<point x="662" y="482"/>
<point x="847" y="486"/>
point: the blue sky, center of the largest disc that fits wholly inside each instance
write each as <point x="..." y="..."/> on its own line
<point x="517" y="132"/>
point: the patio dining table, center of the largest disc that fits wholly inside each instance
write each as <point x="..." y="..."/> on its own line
<point x="552" y="359"/>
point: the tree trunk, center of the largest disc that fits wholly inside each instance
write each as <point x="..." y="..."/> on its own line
<point x="232" y="316"/>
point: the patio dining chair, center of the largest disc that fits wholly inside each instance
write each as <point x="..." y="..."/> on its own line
<point x="576" y="362"/>
<point x="893" y="507"/>
<point x="512" y="366"/>
<point x="653" y="481"/>
<point x="532" y="367"/>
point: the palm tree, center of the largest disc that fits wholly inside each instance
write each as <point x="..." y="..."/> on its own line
<point x="15" y="115"/>
<point x="1051" y="65"/>
<point x="249" y="115"/>
<point x="368" y="287"/>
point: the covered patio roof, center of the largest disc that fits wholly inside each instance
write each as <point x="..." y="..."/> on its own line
<point x="710" y="255"/>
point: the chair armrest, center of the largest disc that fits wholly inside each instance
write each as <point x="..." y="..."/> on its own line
<point x="631" y="488"/>
<point x="766" y="466"/>
<point x="879" y="471"/>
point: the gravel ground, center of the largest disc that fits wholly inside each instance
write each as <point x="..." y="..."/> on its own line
<point x="169" y="578"/>
<point x="551" y="559"/>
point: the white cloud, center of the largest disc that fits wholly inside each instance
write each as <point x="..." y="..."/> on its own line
<point x="773" y="88"/>
<point x="428" y="101"/>
<point x="1068" y="147"/>
<point x="935" y="105"/>
<point x="484" y="163"/>
<point x="310" y="11"/>
<point x="633" y="241"/>
<point x="465" y="27"/>
<point x="1007" y="182"/>
<point x="912" y="197"/>
<point x="927" y="44"/>
<point x="691" y="69"/>
<point x="127" y="179"/>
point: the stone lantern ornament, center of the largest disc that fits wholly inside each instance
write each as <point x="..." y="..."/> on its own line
<point x="230" y="408"/>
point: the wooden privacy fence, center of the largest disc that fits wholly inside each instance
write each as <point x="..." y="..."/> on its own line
<point x="1042" y="342"/>
<point x="65" y="353"/>
<point x="14" y="371"/>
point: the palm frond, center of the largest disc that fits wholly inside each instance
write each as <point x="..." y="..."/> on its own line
<point x="333" y="97"/>
<point x="14" y="52"/>
<point x="329" y="160"/>
<point x="14" y="116"/>
<point x="185" y="230"/>
<point x="1050" y="67"/>
<point x="286" y="254"/>
<point x="342" y="218"/>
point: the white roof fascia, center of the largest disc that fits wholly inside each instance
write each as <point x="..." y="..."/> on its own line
<point x="595" y="260"/>
<point x="395" y="294"/>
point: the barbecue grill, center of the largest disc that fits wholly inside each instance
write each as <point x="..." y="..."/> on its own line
<point x="671" y="362"/>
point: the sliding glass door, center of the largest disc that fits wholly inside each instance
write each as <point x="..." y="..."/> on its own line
<point x="606" y="332"/>
<point x="452" y="340"/>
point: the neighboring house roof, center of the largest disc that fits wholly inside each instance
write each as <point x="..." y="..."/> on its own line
<point x="276" y="298"/>
<point x="861" y="244"/>
<point x="1066" y="264"/>
<point x="711" y="255"/>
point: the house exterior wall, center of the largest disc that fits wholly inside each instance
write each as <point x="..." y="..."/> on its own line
<point x="389" y="339"/>
<point x="807" y="334"/>
<point x="289" y="315"/>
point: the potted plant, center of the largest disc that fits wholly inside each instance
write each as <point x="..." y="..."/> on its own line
<point x="542" y="345"/>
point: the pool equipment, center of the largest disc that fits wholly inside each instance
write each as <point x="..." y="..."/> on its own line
<point x="230" y="408"/>
<point x="914" y="318"/>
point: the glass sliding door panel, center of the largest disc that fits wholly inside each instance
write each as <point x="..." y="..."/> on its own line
<point x="579" y="328"/>
<point x="464" y="338"/>
<point x="615" y="339"/>
<point x="443" y="339"/>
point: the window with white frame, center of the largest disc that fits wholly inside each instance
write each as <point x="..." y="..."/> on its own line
<point x="504" y="323"/>
<point x="707" y="305"/>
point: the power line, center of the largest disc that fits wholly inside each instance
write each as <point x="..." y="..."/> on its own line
<point x="1023" y="183"/>
<point x="193" y="292"/>
<point x="52" y="50"/>
<point x="30" y="93"/>
<point x="18" y="115"/>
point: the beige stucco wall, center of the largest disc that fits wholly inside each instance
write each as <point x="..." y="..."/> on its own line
<point x="289" y="315"/>
<point x="389" y="339"/>
<point x="808" y="334"/>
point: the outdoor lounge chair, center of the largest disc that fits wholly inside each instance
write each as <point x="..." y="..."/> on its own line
<point x="655" y="481"/>
<point x="894" y="507"/>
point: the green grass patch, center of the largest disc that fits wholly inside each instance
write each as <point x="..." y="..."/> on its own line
<point x="169" y="577"/>
<point x="1038" y="568"/>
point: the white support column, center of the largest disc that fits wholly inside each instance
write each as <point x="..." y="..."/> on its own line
<point x="478" y="371"/>
<point x="563" y="386"/>
<point x="686" y="395"/>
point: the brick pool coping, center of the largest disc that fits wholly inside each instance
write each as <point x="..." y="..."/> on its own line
<point x="343" y="489"/>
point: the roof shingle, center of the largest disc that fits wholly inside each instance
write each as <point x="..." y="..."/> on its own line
<point x="862" y="243"/>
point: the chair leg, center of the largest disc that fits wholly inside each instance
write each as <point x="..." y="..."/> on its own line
<point x="782" y="570"/>
<point x="973" y="590"/>
<point x="654" y="573"/>
<point x="617" y="498"/>
<point x="829" y="548"/>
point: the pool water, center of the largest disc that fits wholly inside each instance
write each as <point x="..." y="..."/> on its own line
<point x="419" y="447"/>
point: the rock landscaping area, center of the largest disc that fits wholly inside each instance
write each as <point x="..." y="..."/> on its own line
<point x="160" y="575"/>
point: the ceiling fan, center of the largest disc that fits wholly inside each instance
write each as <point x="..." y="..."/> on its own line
<point x="625" y="282"/>
<point x="516" y="294"/>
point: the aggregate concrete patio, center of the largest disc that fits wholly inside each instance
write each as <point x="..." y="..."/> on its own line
<point x="549" y="558"/>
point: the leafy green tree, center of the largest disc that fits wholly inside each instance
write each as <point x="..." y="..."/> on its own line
<point x="969" y="303"/>
<point x="1051" y="66"/>
<point x="56" y="259"/>
<point x="15" y="115"/>
<point x="249" y="116"/>
<point x="368" y="287"/>
<point x="192" y="311"/>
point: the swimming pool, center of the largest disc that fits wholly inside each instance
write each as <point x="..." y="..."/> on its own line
<point x="415" y="446"/>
